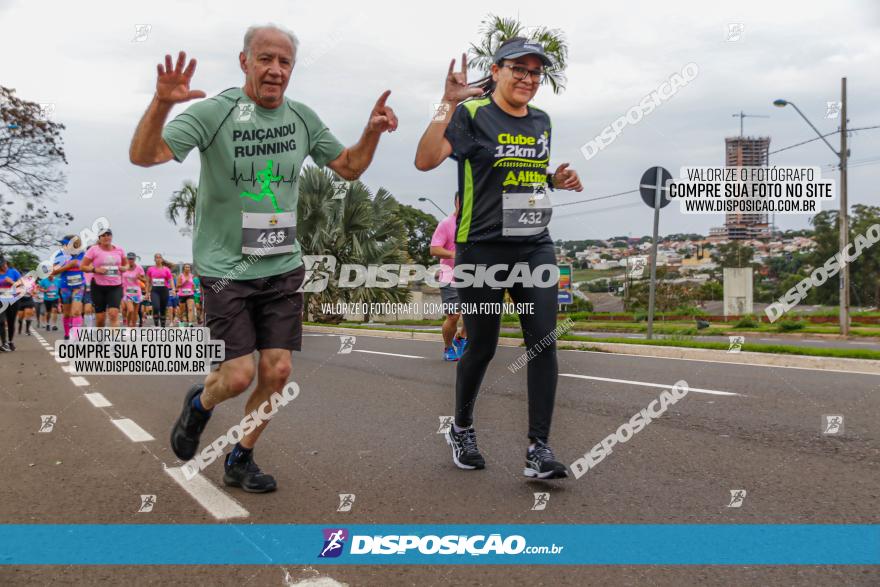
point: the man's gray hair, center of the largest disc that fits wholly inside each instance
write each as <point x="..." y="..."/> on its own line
<point x="252" y="31"/>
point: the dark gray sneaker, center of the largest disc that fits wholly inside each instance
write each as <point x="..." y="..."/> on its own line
<point x="189" y="426"/>
<point x="465" y="453"/>
<point x="541" y="464"/>
<point x="247" y="475"/>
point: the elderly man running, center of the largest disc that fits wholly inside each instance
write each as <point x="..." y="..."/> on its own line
<point x="252" y="142"/>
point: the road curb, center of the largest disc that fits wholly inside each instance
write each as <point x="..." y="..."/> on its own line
<point x="864" y="366"/>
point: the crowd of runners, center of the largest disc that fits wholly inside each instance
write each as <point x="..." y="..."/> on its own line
<point x="98" y="286"/>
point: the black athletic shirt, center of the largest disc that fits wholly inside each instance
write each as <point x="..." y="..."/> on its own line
<point x="502" y="169"/>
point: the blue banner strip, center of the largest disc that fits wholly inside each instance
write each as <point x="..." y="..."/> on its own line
<point x="603" y="544"/>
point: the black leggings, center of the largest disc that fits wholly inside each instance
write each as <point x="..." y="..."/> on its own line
<point x="483" y="330"/>
<point x="7" y="322"/>
<point x="159" y="300"/>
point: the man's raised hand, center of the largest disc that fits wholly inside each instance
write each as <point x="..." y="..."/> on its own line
<point x="172" y="84"/>
<point x="382" y="118"/>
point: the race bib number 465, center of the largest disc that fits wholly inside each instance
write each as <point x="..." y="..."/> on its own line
<point x="268" y="234"/>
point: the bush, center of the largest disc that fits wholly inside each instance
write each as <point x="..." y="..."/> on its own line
<point x="747" y="322"/>
<point x="790" y="325"/>
<point x="687" y="311"/>
<point x="580" y="305"/>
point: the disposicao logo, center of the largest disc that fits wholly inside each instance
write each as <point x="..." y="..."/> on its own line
<point x="334" y="541"/>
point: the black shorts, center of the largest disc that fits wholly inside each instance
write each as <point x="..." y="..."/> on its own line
<point x="183" y="300"/>
<point x="51" y="305"/>
<point x="106" y="296"/>
<point x="255" y="314"/>
<point x="26" y="303"/>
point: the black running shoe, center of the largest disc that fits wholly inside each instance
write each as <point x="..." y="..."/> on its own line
<point x="11" y="345"/>
<point x="189" y="426"/>
<point x="465" y="453"/>
<point x="4" y="348"/>
<point x="541" y="463"/>
<point x="247" y="475"/>
<point x="54" y="328"/>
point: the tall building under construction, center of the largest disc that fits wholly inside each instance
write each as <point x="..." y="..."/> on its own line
<point x="745" y="152"/>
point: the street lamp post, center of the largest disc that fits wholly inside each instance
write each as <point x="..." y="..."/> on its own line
<point x="843" y="222"/>
<point x="435" y="205"/>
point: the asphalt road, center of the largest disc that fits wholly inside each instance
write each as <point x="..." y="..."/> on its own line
<point x="366" y="423"/>
<point x="753" y="338"/>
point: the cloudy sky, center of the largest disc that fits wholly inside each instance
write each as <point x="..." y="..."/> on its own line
<point x="84" y="58"/>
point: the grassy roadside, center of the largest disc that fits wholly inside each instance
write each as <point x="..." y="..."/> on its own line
<point x="679" y="328"/>
<point x="721" y="346"/>
<point x="689" y="328"/>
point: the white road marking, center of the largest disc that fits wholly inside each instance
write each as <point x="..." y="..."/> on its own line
<point x="219" y="504"/>
<point x="52" y="353"/>
<point x="730" y="363"/>
<point x="98" y="400"/>
<point x="67" y="368"/>
<point x="865" y="343"/>
<point x="57" y="360"/>
<point x="389" y="354"/>
<point x="79" y="381"/>
<point x="132" y="430"/>
<point x="645" y="384"/>
<point x="737" y="365"/>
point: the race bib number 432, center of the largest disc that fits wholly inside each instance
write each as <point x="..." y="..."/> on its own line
<point x="525" y="214"/>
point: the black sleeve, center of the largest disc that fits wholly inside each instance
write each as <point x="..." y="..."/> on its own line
<point x="460" y="133"/>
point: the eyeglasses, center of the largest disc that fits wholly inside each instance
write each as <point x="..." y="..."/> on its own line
<point x="520" y="73"/>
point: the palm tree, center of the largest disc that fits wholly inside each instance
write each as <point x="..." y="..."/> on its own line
<point x="358" y="229"/>
<point x="182" y="207"/>
<point x="497" y="30"/>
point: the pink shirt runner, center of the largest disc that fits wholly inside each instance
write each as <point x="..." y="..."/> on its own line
<point x="155" y="275"/>
<point x="185" y="285"/>
<point x="130" y="279"/>
<point x="113" y="260"/>
<point x="444" y="236"/>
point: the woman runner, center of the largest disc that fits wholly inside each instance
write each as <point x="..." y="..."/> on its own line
<point x="502" y="147"/>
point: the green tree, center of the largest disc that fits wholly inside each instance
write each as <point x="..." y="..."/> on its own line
<point x="734" y="254"/>
<point x="495" y="30"/>
<point x="361" y="229"/>
<point x="182" y="207"/>
<point x="31" y="153"/>
<point x="864" y="272"/>
<point x="22" y="260"/>
<point x="668" y="297"/>
<point x="711" y="290"/>
<point x="419" y="227"/>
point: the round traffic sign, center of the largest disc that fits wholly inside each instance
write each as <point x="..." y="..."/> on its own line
<point x="648" y="186"/>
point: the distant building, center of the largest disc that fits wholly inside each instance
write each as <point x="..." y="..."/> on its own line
<point x="744" y="152"/>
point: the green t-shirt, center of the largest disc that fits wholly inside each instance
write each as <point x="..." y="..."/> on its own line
<point x="251" y="160"/>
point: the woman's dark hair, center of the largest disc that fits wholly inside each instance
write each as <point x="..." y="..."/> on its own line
<point x="487" y="84"/>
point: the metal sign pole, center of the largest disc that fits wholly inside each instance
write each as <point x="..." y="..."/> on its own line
<point x="658" y="186"/>
<point x="653" y="196"/>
